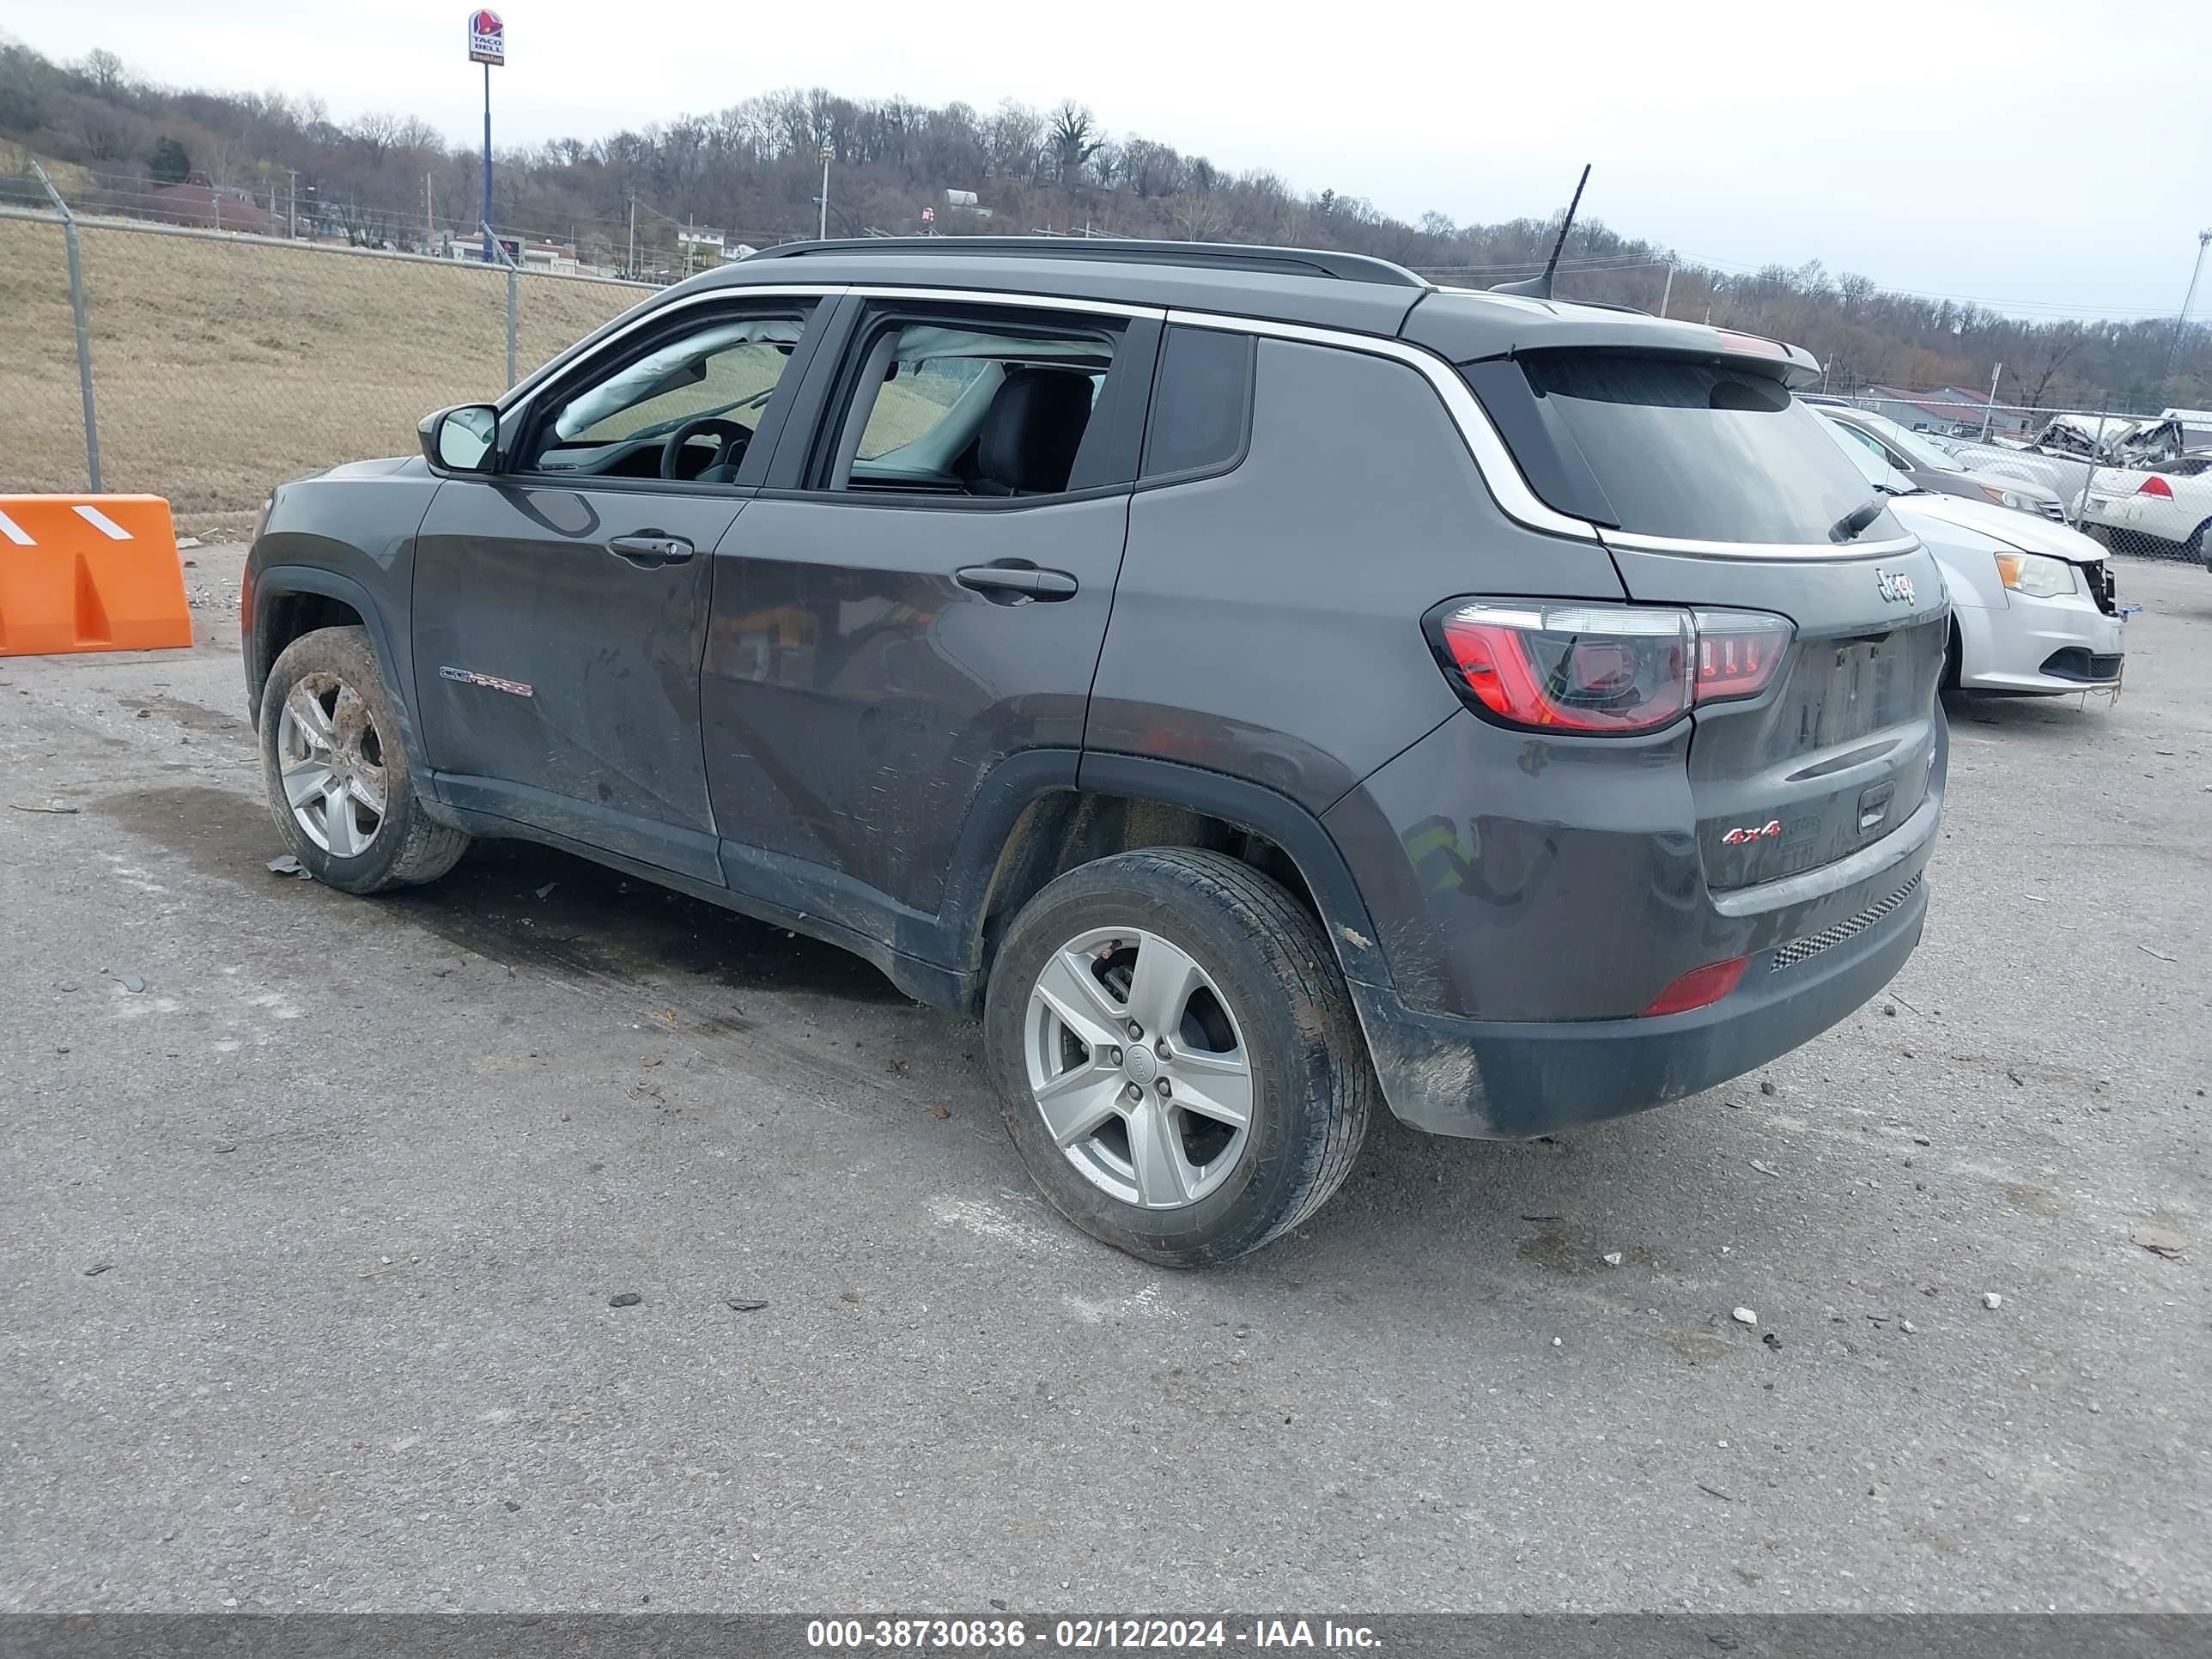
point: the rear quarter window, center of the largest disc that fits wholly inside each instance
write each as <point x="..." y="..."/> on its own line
<point x="1201" y="403"/>
<point x="1669" y="447"/>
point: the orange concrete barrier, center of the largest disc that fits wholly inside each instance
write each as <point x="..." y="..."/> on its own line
<point x="89" y="572"/>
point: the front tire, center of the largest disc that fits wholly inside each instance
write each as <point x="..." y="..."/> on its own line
<point x="1177" y="1058"/>
<point x="335" y="768"/>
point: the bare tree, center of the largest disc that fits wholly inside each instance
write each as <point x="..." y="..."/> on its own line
<point x="417" y="136"/>
<point x="375" y="135"/>
<point x="2052" y="348"/>
<point x="103" y="129"/>
<point x="219" y="159"/>
<point x="105" y="71"/>
<point x="1013" y="138"/>
<point x="1151" y="169"/>
<point x="1072" y="138"/>
<point x="1199" y="215"/>
<point x="1106" y="165"/>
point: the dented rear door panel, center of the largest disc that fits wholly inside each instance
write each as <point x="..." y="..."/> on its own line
<point x="856" y="695"/>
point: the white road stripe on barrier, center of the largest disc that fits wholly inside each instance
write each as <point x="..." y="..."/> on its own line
<point x="14" y="532"/>
<point x="100" y="521"/>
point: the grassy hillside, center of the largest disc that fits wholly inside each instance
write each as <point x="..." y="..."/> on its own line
<point x="221" y="367"/>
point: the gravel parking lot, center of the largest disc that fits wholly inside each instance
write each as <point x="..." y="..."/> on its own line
<point x="314" y="1207"/>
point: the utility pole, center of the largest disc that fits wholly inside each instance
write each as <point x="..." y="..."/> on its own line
<point x="1667" y="293"/>
<point x="2181" y="322"/>
<point x="1990" y="413"/>
<point x="292" y="219"/>
<point x="829" y="154"/>
<point x="631" y="270"/>
<point x="430" y="218"/>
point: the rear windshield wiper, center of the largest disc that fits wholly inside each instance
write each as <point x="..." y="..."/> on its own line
<point x="1848" y="527"/>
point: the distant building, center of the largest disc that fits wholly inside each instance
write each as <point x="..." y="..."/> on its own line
<point x="558" y="258"/>
<point x="1947" y="412"/>
<point x="211" y="208"/>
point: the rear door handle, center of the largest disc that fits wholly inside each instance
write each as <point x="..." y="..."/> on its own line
<point x="1016" y="584"/>
<point x="651" y="552"/>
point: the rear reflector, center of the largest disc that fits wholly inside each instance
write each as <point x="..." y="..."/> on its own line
<point x="1602" y="670"/>
<point x="1699" y="987"/>
<point x="2154" y="485"/>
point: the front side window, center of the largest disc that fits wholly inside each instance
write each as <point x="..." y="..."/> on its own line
<point x="964" y="408"/>
<point x="1679" y="447"/>
<point x="684" y="409"/>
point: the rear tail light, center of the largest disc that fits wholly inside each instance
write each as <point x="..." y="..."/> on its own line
<point x="1602" y="670"/>
<point x="1699" y="987"/>
<point x="1738" y="651"/>
<point x="2154" y="485"/>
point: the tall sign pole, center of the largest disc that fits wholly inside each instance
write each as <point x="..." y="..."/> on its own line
<point x="488" y="46"/>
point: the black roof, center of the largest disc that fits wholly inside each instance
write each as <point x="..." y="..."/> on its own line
<point x="1122" y="250"/>
<point x="1283" y="284"/>
<point x="1309" y="288"/>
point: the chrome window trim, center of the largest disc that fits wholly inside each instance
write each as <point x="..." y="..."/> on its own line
<point x="737" y="292"/>
<point x="1895" y="547"/>
<point x="650" y="316"/>
<point x="1503" y="479"/>
<point x="1494" y="462"/>
<point x="1024" y="301"/>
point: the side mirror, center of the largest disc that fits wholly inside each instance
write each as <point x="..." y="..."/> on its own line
<point x="462" y="439"/>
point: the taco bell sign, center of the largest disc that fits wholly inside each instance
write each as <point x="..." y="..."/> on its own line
<point x="487" y="37"/>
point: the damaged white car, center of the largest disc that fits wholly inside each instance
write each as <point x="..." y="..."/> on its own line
<point x="2034" y="610"/>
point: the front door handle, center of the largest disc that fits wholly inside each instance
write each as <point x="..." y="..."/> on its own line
<point x="1016" y="584"/>
<point x="650" y="552"/>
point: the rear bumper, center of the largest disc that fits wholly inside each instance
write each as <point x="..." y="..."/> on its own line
<point x="1528" y="897"/>
<point x="1512" y="1080"/>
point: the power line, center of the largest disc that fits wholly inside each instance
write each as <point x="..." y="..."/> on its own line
<point x="2042" y="306"/>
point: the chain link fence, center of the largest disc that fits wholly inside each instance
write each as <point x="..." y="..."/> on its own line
<point x="223" y="364"/>
<point x="2093" y="459"/>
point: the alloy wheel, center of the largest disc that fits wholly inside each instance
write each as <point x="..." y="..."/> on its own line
<point x="330" y="758"/>
<point x="1137" y="1065"/>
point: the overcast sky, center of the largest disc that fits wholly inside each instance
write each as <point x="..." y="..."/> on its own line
<point x="2039" y="156"/>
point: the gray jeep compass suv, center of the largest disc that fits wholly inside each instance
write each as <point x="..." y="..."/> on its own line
<point x="1257" y="682"/>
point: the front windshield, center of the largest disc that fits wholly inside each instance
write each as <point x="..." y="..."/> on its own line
<point x="1866" y="455"/>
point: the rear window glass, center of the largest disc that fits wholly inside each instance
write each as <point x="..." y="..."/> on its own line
<point x="1667" y="448"/>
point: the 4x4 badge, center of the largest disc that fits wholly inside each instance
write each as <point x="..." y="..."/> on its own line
<point x="1893" y="587"/>
<point x="1737" y="836"/>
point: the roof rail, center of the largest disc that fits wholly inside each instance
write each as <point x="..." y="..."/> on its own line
<point x="1222" y="255"/>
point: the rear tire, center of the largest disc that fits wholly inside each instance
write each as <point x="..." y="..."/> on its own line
<point x="335" y="765"/>
<point x="1261" y="1023"/>
<point x="2193" y="548"/>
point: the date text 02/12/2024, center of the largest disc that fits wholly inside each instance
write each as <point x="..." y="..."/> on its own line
<point x="1085" y="1635"/>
